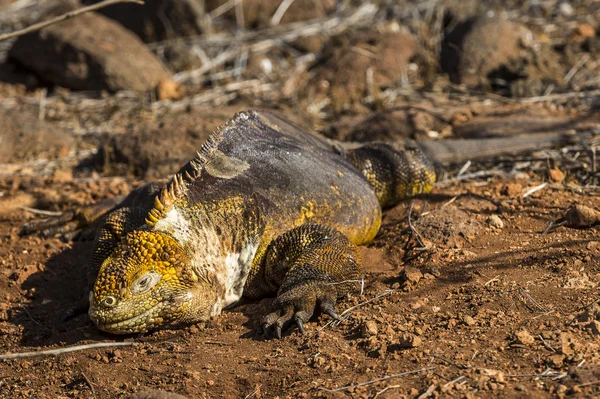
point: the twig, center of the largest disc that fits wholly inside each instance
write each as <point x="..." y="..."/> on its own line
<point x="60" y="351"/>
<point x="587" y="384"/>
<point x="64" y="17"/>
<point x="463" y="169"/>
<point x="283" y="7"/>
<point x="249" y="42"/>
<point x="350" y="309"/>
<point x="562" y="96"/>
<point x="573" y="71"/>
<point x="535" y="189"/>
<point x="385" y="389"/>
<point x="428" y="392"/>
<point x="546" y="344"/>
<point x="251" y="394"/>
<point x="458" y="366"/>
<point x="87" y="380"/>
<point x="387" y="377"/>
<point x="414" y="230"/>
<point x="40" y="211"/>
<point x="493" y="280"/>
<point x="454" y="381"/>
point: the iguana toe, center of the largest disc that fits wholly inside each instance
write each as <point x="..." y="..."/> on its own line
<point x="298" y="305"/>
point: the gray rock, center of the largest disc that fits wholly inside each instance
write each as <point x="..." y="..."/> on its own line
<point x="89" y="52"/>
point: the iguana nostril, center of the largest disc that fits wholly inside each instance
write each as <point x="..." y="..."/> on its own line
<point x="109" y="301"/>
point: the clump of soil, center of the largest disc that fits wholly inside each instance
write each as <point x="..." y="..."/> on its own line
<point x="362" y="64"/>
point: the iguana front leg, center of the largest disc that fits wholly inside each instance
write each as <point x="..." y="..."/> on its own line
<point x="313" y="265"/>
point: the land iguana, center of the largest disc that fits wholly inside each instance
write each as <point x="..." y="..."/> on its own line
<point x="265" y="209"/>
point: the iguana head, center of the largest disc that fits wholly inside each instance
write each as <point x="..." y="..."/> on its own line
<point x="147" y="283"/>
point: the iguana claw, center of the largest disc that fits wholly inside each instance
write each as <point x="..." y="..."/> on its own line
<point x="299" y="304"/>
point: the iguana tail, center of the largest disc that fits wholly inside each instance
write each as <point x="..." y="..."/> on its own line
<point x="396" y="171"/>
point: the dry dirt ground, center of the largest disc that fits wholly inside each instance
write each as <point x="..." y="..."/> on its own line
<point x="493" y="308"/>
<point x="463" y="295"/>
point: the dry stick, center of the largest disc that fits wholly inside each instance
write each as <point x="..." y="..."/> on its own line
<point x="387" y="377"/>
<point x="546" y="344"/>
<point x="87" y="380"/>
<point x="40" y="211"/>
<point x="60" y="351"/>
<point x="414" y="230"/>
<point x="350" y="309"/>
<point x="535" y="189"/>
<point x="332" y="25"/>
<point x="283" y="7"/>
<point x="64" y="17"/>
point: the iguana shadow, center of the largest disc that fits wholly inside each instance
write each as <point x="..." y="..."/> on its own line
<point x="57" y="287"/>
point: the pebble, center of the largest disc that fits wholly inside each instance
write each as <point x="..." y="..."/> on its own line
<point x="495" y="221"/>
<point x="368" y="329"/>
<point x="524" y="337"/>
<point x="594" y="326"/>
<point x="410" y="341"/>
<point x="410" y="275"/>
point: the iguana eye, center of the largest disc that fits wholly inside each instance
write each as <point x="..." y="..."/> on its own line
<point x="145" y="282"/>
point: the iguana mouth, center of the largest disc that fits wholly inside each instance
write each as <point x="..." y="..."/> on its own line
<point x="138" y="323"/>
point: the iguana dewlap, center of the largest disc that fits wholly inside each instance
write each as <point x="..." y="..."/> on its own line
<point x="265" y="209"/>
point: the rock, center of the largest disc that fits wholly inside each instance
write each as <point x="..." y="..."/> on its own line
<point x="556" y="175"/>
<point x="469" y="321"/>
<point x="410" y="275"/>
<point x="497" y="54"/>
<point x="342" y="77"/>
<point x="169" y="90"/>
<point x="89" y="52"/>
<point x="568" y="343"/>
<point x="157" y="20"/>
<point x="582" y="32"/>
<point x="62" y="176"/>
<point x="524" y="337"/>
<point x="409" y="341"/>
<point x="512" y="190"/>
<point x="481" y="45"/>
<point x="589" y="314"/>
<point x="594" y="326"/>
<point x="368" y="329"/>
<point x="398" y="123"/>
<point x="495" y="221"/>
<point x="495" y="375"/>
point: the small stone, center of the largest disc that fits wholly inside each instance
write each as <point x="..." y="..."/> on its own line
<point x="593" y="245"/>
<point x="520" y="388"/>
<point x="556" y="175"/>
<point x="582" y="32"/>
<point x="594" y="326"/>
<point x="556" y="361"/>
<point x="168" y="89"/>
<point x="409" y="341"/>
<point x="410" y="275"/>
<point x="512" y="190"/>
<point x="523" y="337"/>
<point x="62" y="176"/>
<point x="495" y="375"/>
<point x="368" y="329"/>
<point x="468" y="320"/>
<point x="562" y="389"/>
<point x="567" y="343"/>
<point x="566" y="9"/>
<point x="90" y="52"/>
<point x="495" y="221"/>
